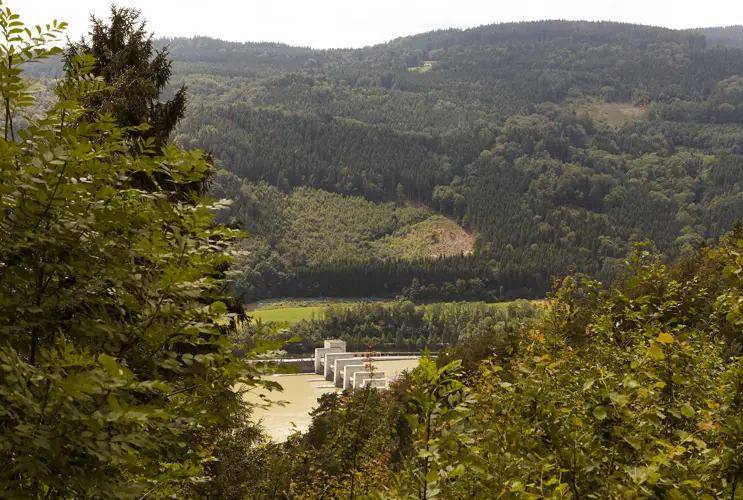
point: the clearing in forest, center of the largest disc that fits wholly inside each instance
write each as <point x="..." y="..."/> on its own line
<point x="294" y="310"/>
<point x="434" y="237"/>
<point x="616" y="114"/>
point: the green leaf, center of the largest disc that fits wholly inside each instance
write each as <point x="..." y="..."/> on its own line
<point x="599" y="412"/>
<point x="688" y="411"/>
<point x="619" y="399"/>
<point x="665" y="338"/>
<point x="656" y="352"/>
<point x="110" y="365"/>
<point x="634" y="441"/>
<point x="729" y="271"/>
<point x="218" y="307"/>
<point x="675" y="494"/>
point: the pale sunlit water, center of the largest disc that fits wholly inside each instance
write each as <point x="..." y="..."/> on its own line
<point x="301" y="393"/>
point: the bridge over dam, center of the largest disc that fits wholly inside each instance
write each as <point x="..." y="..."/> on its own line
<point x="348" y="370"/>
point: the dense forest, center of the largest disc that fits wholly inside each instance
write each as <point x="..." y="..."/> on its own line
<point x="555" y="144"/>
<point x="558" y="144"/>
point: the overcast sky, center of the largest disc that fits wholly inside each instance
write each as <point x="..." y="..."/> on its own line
<point x="349" y="23"/>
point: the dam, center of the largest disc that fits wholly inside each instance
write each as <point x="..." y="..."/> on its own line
<point x="335" y="370"/>
<point x="300" y="394"/>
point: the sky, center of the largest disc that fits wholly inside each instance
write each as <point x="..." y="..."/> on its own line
<point x="349" y="23"/>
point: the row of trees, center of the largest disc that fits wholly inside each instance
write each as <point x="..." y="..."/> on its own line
<point x="401" y="325"/>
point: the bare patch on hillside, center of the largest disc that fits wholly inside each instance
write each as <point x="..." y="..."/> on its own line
<point x="434" y="237"/>
<point x="616" y="113"/>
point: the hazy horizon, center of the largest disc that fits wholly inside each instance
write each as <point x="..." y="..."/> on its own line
<point x="330" y="24"/>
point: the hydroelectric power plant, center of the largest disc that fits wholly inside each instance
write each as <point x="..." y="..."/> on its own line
<point x="318" y="376"/>
<point x="354" y="370"/>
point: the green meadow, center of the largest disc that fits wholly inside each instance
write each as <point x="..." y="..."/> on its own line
<point x="294" y="311"/>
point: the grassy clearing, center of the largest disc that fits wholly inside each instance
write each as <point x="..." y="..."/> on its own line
<point x="296" y="310"/>
<point x="288" y="314"/>
<point x="293" y="311"/>
<point x="615" y="114"/>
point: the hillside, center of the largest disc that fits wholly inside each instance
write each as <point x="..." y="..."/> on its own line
<point x="393" y="193"/>
<point x="301" y="236"/>
<point x="559" y="143"/>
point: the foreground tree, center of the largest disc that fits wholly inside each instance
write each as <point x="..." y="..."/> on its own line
<point x="137" y="75"/>
<point x="114" y="357"/>
<point x="630" y="393"/>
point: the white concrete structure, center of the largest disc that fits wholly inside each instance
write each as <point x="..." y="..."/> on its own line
<point x="378" y="380"/>
<point x="340" y="366"/>
<point x="329" y="364"/>
<point x="331" y="346"/>
<point x="351" y="370"/>
<point x="335" y="343"/>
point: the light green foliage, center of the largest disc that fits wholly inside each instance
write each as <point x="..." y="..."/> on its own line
<point x="115" y="364"/>
<point x="323" y="226"/>
<point x="313" y="227"/>
<point x="433" y="237"/>
<point x="421" y="69"/>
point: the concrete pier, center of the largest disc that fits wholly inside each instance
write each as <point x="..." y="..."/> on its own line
<point x="330" y="346"/>
<point x="329" y="364"/>
<point x="363" y="372"/>
<point x="342" y="364"/>
<point x="340" y="367"/>
<point x="378" y="380"/>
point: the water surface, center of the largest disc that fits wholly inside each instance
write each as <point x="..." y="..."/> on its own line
<point x="300" y="394"/>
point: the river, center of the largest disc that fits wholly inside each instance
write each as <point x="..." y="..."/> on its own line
<point x="300" y="394"/>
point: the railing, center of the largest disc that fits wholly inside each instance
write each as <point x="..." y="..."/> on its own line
<point x="311" y="357"/>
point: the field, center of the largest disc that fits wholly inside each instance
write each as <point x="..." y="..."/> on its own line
<point x="295" y="310"/>
<point x="423" y="69"/>
<point x="287" y="314"/>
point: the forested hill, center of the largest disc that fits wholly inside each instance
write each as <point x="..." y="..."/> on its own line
<point x="557" y="143"/>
